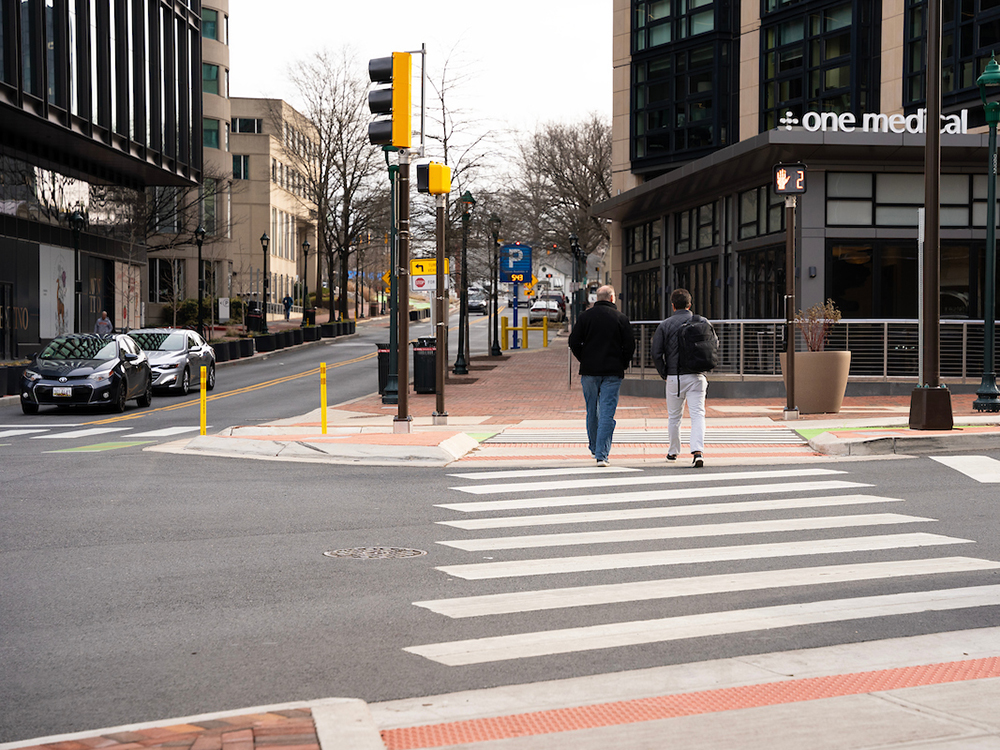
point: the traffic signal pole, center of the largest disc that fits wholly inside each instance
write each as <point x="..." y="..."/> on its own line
<point x="440" y="365"/>
<point x="402" y="422"/>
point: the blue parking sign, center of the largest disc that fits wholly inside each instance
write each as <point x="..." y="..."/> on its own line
<point x="515" y="264"/>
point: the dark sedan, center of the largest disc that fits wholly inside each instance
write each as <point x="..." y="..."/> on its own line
<point x="176" y="357"/>
<point x="84" y="369"/>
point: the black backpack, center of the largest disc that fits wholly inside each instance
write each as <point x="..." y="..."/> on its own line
<point x="697" y="346"/>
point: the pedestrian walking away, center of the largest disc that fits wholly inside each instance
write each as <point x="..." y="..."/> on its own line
<point x="603" y="343"/>
<point x="104" y="324"/>
<point x="684" y="348"/>
<point x="287" y="302"/>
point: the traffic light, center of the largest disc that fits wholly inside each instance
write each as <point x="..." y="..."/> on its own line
<point x="433" y="178"/>
<point x="395" y="101"/>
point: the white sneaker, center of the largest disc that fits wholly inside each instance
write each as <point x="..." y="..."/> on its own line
<point x="603" y="462"/>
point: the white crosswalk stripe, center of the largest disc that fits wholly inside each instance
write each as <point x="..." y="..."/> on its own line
<point x="15" y="433"/>
<point x="569" y="640"/>
<point x="167" y="432"/>
<point x="981" y="468"/>
<point x="786" y="512"/>
<point x="714" y="436"/>
<point x="90" y="432"/>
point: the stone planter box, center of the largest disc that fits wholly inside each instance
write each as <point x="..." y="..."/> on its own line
<point x="310" y="333"/>
<point x="13" y="379"/>
<point x="297" y="336"/>
<point x="265" y="342"/>
<point x="328" y="330"/>
<point x="350" y="326"/>
<point x="234" y="350"/>
<point x="221" y="350"/>
<point x="246" y="347"/>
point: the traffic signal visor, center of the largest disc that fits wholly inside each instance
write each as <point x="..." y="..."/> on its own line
<point x="395" y="101"/>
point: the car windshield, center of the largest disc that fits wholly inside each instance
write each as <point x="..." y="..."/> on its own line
<point x="80" y="348"/>
<point x="161" y="342"/>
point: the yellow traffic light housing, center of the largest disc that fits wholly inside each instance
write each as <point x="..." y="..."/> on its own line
<point x="395" y="101"/>
<point x="433" y="178"/>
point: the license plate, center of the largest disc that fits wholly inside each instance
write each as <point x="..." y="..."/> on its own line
<point x="62" y="390"/>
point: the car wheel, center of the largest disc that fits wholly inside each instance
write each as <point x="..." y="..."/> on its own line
<point x="29" y="408"/>
<point x="147" y="395"/>
<point x="185" y="386"/>
<point x="121" y="397"/>
<point x="210" y="384"/>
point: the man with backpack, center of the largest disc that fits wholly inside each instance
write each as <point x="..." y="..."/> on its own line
<point x="684" y="348"/>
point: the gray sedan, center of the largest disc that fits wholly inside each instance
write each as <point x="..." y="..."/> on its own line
<point x="176" y="357"/>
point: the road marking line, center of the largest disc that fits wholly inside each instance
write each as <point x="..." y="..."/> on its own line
<point x="519" y="473"/>
<point x="15" y="433"/>
<point x="91" y="432"/>
<point x="167" y="431"/>
<point x="101" y="447"/>
<point x="981" y="468"/>
<point x="667" y="478"/>
<point x="631" y="514"/>
<point x="585" y="563"/>
<point x="693" y="531"/>
<point x="669" y="588"/>
<point x="647" y="495"/>
<point x="618" y="634"/>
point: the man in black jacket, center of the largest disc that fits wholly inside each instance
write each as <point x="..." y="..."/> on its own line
<point x="603" y="343"/>
<point x="682" y="385"/>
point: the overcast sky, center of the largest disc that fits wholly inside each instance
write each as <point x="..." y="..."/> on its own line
<point x="529" y="61"/>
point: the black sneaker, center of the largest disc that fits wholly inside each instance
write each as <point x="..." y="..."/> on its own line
<point x="671" y="456"/>
<point x="698" y="461"/>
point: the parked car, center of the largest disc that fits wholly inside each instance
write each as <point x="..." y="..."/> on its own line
<point x="81" y="369"/>
<point x="558" y="298"/>
<point x="544" y="308"/>
<point x="479" y="303"/>
<point x="176" y="357"/>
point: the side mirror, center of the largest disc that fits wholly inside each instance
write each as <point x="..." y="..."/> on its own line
<point x="129" y="357"/>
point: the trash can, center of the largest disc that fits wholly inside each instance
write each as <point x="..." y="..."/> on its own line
<point x="424" y="361"/>
<point x="309" y="317"/>
<point x="383" y="367"/>
<point x="254" y="318"/>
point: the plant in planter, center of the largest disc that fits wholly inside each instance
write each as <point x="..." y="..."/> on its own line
<point x="820" y="375"/>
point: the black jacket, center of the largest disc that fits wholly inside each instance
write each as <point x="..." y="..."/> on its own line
<point x="602" y="340"/>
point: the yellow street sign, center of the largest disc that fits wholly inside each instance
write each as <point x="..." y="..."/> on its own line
<point x="387" y="277"/>
<point x="529" y="289"/>
<point x="425" y="266"/>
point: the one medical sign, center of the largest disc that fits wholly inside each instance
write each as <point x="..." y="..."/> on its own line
<point x="515" y="264"/>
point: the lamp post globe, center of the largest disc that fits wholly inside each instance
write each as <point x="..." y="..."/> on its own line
<point x="987" y="395"/>
<point x="461" y="365"/>
<point x="264" y="242"/>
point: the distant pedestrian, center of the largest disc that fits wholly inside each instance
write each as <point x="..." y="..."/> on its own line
<point x="287" y="302"/>
<point x="104" y="324"/>
<point x="686" y="381"/>
<point x="603" y="342"/>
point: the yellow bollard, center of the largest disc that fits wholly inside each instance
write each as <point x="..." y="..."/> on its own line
<point x="322" y="394"/>
<point x="524" y="332"/>
<point x="503" y="333"/>
<point x="204" y="396"/>
<point x="545" y="332"/>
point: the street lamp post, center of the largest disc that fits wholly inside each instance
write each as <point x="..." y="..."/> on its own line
<point x="987" y="396"/>
<point x="305" y="283"/>
<point x="577" y="306"/>
<point x="264" y="242"/>
<point x="461" y="366"/>
<point x="77" y="223"/>
<point x="199" y="238"/>
<point x="495" y="231"/>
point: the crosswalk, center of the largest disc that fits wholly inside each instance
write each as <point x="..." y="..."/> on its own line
<point x="76" y="432"/>
<point x="816" y="530"/>
<point x="624" y="436"/>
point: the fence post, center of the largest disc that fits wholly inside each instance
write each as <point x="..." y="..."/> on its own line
<point x="545" y="332"/>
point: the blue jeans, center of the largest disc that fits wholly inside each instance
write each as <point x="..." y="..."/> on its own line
<point x="601" y="394"/>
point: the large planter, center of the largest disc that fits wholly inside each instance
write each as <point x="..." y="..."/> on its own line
<point x="820" y="380"/>
<point x="221" y="349"/>
<point x="234" y="349"/>
<point x="13" y="384"/>
<point x="310" y="333"/>
<point x="265" y="342"/>
<point x="351" y="327"/>
<point x="297" y="337"/>
<point x="246" y="348"/>
<point x="328" y="330"/>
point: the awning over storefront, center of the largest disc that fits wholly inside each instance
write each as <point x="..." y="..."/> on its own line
<point x="749" y="163"/>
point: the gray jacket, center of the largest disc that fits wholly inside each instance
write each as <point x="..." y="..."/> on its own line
<point x="665" y="346"/>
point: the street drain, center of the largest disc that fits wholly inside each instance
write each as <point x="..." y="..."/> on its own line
<point x="375" y="553"/>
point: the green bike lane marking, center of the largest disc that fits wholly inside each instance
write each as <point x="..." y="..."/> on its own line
<point x="100" y="447"/>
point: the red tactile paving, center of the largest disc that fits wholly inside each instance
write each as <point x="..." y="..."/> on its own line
<point x="291" y="729"/>
<point x="686" y="704"/>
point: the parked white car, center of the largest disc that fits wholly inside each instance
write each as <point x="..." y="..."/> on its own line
<point x="544" y="308"/>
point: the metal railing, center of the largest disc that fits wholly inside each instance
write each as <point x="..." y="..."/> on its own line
<point x="880" y="349"/>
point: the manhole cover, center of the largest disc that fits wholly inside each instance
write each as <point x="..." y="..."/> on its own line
<point x="375" y="553"/>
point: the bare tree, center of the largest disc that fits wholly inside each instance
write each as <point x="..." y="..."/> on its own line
<point x="340" y="168"/>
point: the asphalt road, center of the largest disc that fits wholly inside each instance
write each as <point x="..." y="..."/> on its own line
<point x="137" y="585"/>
